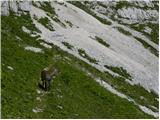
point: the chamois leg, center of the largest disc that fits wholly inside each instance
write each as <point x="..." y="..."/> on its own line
<point x="46" y="85"/>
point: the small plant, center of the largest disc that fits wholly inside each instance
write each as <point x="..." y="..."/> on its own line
<point x="85" y="55"/>
<point x="68" y="22"/>
<point x="69" y="46"/>
<point x="119" y="70"/>
<point x="100" y="40"/>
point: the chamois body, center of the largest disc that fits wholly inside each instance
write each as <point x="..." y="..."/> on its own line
<point x="46" y="77"/>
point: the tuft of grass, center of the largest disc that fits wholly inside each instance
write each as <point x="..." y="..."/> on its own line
<point x="46" y="22"/>
<point x="100" y="40"/>
<point x="119" y="70"/>
<point x="85" y="55"/>
<point x="69" y="46"/>
<point x="148" y="46"/>
<point x="123" y="31"/>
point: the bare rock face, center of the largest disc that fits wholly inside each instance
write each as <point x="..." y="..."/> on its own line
<point x="25" y="5"/>
<point x="15" y="7"/>
<point x="5" y="8"/>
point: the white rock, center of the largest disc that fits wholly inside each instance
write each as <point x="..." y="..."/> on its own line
<point x="38" y="98"/>
<point x="46" y="45"/>
<point x="137" y="14"/>
<point x="4" y="8"/>
<point x="38" y="91"/>
<point x="147" y="30"/>
<point x="34" y="49"/>
<point x="18" y="38"/>
<point x="13" y="6"/>
<point x="26" y="30"/>
<point x="141" y="97"/>
<point x="25" y="5"/>
<point x="60" y="107"/>
<point x="36" y="110"/>
<point x="9" y="67"/>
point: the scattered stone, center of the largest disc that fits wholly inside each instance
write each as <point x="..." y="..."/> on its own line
<point x="26" y="30"/>
<point x="36" y="110"/>
<point x="60" y="107"/>
<point x="141" y="97"/>
<point x="38" y="91"/>
<point x="67" y="58"/>
<point x="18" y="38"/>
<point x="38" y="98"/>
<point x="34" y="49"/>
<point x="76" y="114"/>
<point x="59" y="96"/>
<point x="9" y="67"/>
<point x="45" y="45"/>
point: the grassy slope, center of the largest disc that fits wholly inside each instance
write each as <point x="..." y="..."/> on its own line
<point x="82" y="96"/>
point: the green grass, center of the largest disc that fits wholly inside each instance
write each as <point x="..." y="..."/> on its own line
<point x="68" y="45"/>
<point x="46" y="22"/>
<point x="83" y="7"/>
<point x="148" y="46"/>
<point x="119" y="70"/>
<point x="85" y="55"/>
<point x="82" y="97"/>
<point x="100" y="40"/>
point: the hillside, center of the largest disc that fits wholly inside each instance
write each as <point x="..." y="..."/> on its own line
<point x="107" y="54"/>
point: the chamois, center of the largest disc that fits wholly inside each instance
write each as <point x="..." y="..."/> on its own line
<point x="46" y="77"/>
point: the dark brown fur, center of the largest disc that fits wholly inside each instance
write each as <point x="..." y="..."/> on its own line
<point x="46" y="77"/>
